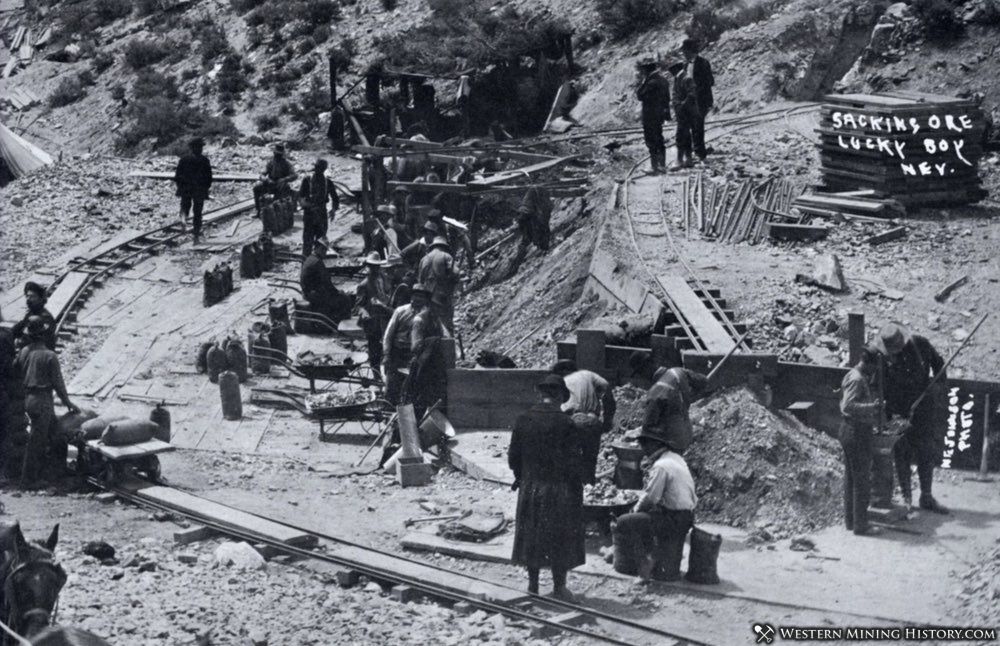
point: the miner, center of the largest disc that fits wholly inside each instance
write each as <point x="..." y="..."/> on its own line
<point x="545" y="455"/>
<point x="41" y="375"/>
<point x="426" y="384"/>
<point x="278" y="175"/>
<point x="911" y="362"/>
<point x="654" y="94"/>
<point x="667" y="405"/>
<point x="317" y="285"/>
<point x="372" y="299"/>
<point x="315" y="192"/>
<point x="861" y="411"/>
<point x="193" y="177"/>
<point x="35" y="297"/>
<point x="592" y="406"/>
<point x="439" y="273"/>
<point x="699" y="71"/>
<point x="656" y="528"/>
<point x="396" y="348"/>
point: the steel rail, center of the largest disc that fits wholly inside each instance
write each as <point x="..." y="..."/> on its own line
<point x="395" y="577"/>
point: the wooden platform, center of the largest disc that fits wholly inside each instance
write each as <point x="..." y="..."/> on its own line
<point x="128" y="451"/>
<point x="705" y="325"/>
<point x="482" y="454"/>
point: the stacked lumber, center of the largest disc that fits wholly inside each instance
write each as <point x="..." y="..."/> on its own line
<point x="736" y="212"/>
<point x="921" y="149"/>
<point x="850" y="205"/>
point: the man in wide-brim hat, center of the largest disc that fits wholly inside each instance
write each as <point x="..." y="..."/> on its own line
<point x="372" y="299"/>
<point x="664" y="513"/>
<point x="315" y="192"/>
<point x="910" y="362"/>
<point x="546" y="456"/>
<point x="439" y="272"/>
<point x="277" y="176"/>
<point x="653" y="93"/>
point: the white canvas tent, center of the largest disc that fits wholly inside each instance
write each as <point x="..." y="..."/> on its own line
<point x="19" y="155"/>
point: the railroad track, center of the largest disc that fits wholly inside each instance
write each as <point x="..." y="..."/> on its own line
<point x="72" y="288"/>
<point x="646" y="235"/>
<point x="599" y="626"/>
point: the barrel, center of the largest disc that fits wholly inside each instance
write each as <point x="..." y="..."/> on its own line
<point x="266" y="245"/>
<point x="278" y="338"/>
<point x="248" y="262"/>
<point x="260" y="348"/>
<point x="216" y="362"/>
<point x="201" y="363"/>
<point x="209" y="291"/>
<point x="161" y="417"/>
<point x="229" y="392"/>
<point x="626" y="554"/>
<point x="277" y="312"/>
<point x="236" y="358"/>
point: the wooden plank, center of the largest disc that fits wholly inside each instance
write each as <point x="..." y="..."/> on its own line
<point x="706" y="326"/>
<point x="494" y="551"/>
<point x="520" y="173"/>
<point x="590" y="350"/>
<point x="418" y="187"/>
<point x="886" y="236"/>
<point x="65" y="291"/>
<point x="946" y="291"/>
<point x="229" y="516"/>
<point x="151" y="447"/>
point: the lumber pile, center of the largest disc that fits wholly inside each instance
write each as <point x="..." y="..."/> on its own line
<point x="859" y="205"/>
<point x="921" y="149"/>
<point x="736" y="212"/>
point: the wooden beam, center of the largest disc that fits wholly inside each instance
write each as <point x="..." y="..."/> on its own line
<point x="708" y="328"/>
<point x="520" y="173"/>
<point x="946" y="291"/>
<point x="222" y="177"/>
<point x="886" y="236"/>
<point x="788" y="231"/>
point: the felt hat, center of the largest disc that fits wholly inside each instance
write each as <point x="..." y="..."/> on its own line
<point x="321" y="164"/>
<point x="36" y="327"/>
<point x="322" y="242"/>
<point x="892" y="338"/>
<point x="440" y="242"/>
<point x="652" y="435"/>
<point x="563" y="367"/>
<point x="374" y="259"/>
<point x="690" y="45"/>
<point x="386" y="208"/>
<point x="419" y="288"/>
<point x="197" y="142"/>
<point x="279" y="148"/>
<point x="431" y="226"/>
<point x="553" y="385"/>
<point x="32" y="286"/>
<point x="394" y="260"/>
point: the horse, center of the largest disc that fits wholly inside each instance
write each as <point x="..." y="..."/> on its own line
<point x="31" y="581"/>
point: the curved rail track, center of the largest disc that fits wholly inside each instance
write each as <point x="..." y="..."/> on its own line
<point x="90" y="271"/>
<point x="722" y="129"/>
<point x="517" y="612"/>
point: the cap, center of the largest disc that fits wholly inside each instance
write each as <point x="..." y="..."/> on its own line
<point x="386" y="208"/>
<point x="440" y="242"/>
<point x="374" y="259"/>
<point x="419" y="288"/>
<point x="554" y="385"/>
<point x="431" y="226"/>
<point x="893" y="337"/>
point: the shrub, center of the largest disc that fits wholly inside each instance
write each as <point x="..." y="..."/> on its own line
<point x="142" y="53"/>
<point x="389" y="5"/>
<point x="117" y="92"/>
<point x="307" y="66"/>
<point x="189" y="74"/>
<point x="165" y="121"/>
<point x="70" y="90"/>
<point x="101" y="62"/>
<point x="231" y="79"/>
<point x="85" y="78"/>
<point x="305" y="46"/>
<point x="147" y="7"/>
<point x="110" y="10"/>
<point x="212" y="41"/>
<point x="321" y="34"/>
<point x="243" y="6"/>
<point x="311" y="103"/>
<point x="267" y="122"/>
<point x="939" y="19"/>
<point x="626" y="17"/>
<point x="150" y="83"/>
<point x="318" y="12"/>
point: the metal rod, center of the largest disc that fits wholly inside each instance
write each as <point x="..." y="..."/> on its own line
<point x="984" y="463"/>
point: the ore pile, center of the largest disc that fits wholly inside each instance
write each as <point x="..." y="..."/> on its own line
<point x="754" y="467"/>
<point x="762" y="469"/>
<point x="979" y="595"/>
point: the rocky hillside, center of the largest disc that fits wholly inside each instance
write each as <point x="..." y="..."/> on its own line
<point x="135" y="76"/>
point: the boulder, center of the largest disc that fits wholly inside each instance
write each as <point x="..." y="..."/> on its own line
<point x="828" y="274"/>
<point x="239" y="555"/>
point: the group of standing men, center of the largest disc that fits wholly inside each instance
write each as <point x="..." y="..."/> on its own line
<point x="910" y="374"/>
<point x="691" y="99"/>
<point x="30" y="374"/>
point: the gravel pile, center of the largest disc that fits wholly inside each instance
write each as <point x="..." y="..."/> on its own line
<point x="157" y="593"/>
<point x="979" y="595"/>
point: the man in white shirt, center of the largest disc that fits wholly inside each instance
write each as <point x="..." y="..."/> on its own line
<point x="663" y="515"/>
<point x="591" y="404"/>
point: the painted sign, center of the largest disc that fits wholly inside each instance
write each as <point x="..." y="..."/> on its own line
<point x="963" y="439"/>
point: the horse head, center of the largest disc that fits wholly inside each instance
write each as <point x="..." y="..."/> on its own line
<point x="32" y="580"/>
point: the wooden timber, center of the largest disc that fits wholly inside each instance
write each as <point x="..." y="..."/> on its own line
<point x="708" y="328"/>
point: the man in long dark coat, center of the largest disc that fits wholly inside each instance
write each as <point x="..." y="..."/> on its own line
<point x="546" y="456"/>
<point x="193" y="177"/>
<point x="700" y="72"/>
